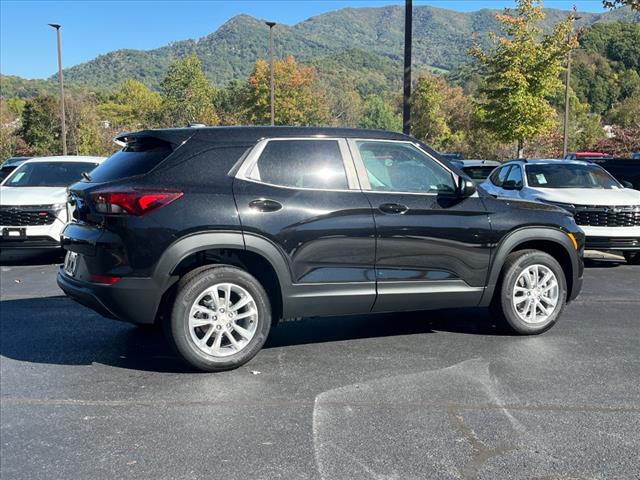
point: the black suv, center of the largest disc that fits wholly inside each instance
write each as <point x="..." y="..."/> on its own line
<point x="216" y="233"/>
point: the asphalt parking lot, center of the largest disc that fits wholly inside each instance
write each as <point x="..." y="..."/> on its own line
<point x="428" y="395"/>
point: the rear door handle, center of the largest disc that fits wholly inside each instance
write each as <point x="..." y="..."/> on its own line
<point x="394" y="208"/>
<point x="265" y="205"/>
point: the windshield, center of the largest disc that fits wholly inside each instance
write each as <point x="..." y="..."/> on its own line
<point x="48" y="174"/>
<point x="570" y="176"/>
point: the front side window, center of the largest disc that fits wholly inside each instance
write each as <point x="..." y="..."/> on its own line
<point x="499" y="175"/>
<point x="570" y="176"/>
<point x="315" y="164"/>
<point x="401" y="167"/>
<point x="515" y="176"/>
<point x="48" y="174"/>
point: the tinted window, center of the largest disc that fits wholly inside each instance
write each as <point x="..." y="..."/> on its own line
<point x="499" y="175"/>
<point x="478" y="173"/>
<point x="515" y="175"/>
<point x="138" y="157"/>
<point x="401" y="167"/>
<point x="570" y="176"/>
<point x="302" y="164"/>
<point x="48" y="174"/>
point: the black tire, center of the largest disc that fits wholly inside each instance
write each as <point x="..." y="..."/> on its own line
<point x="177" y="325"/>
<point x="502" y="305"/>
<point x="632" y="258"/>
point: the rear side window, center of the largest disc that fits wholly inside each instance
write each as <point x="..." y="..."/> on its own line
<point x="138" y="157"/>
<point x="301" y="164"/>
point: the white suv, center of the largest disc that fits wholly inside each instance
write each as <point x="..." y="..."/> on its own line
<point x="33" y="200"/>
<point x="608" y="212"/>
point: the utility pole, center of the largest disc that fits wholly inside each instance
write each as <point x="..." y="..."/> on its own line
<point x="273" y="109"/>
<point x="406" y="98"/>
<point x="62" y="115"/>
<point x="565" y="143"/>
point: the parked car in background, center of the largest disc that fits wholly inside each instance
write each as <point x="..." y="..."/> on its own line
<point x="635" y="156"/>
<point x="218" y="232"/>
<point x="477" y="170"/>
<point x="625" y="170"/>
<point x="587" y="156"/>
<point x="9" y="165"/>
<point x="451" y="157"/>
<point x="608" y="212"/>
<point x="33" y="200"/>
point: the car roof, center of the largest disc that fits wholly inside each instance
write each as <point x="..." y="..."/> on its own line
<point x="480" y="163"/>
<point x="254" y="133"/>
<point x="67" y="158"/>
<point x="548" y="161"/>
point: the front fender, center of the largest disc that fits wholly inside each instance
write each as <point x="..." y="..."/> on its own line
<point x="532" y="234"/>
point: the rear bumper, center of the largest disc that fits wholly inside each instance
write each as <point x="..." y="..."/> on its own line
<point x="133" y="300"/>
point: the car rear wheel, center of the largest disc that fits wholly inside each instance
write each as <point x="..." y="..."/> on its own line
<point x="221" y="318"/>
<point x="632" y="258"/>
<point x="532" y="292"/>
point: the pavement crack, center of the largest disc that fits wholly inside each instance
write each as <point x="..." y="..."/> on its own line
<point x="481" y="453"/>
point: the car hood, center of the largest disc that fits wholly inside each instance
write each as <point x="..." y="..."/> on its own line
<point x="589" y="196"/>
<point x="32" y="195"/>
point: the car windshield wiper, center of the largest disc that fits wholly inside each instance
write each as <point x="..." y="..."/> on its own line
<point x="86" y="176"/>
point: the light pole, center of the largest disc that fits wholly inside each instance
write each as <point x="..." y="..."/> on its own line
<point x="273" y="110"/>
<point x="406" y="97"/>
<point x="62" y="115"/>
<point x="565" y="142"/>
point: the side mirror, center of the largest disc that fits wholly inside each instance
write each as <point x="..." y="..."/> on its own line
<point x="626" y="184"/>
<point x="510" y="185"/>
<point x="466" y="188"/>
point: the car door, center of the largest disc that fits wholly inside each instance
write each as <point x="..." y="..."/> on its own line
<point x="302" y="195"/>
<point x="432" y="246"/>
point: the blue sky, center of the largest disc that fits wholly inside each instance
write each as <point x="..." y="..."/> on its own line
<point x="90" y="28"/>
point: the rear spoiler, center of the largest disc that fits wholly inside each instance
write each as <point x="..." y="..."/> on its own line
<point x="174" y="137"/>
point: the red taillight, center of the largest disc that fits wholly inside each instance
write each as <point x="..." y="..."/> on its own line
<point x="104" y="279"/>
<point x="132" y="202"/>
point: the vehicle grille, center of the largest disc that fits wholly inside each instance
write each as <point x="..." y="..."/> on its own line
<point x="607" y="216"/>
<point x="24" y="217"/>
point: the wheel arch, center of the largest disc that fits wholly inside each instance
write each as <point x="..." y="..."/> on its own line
<point x="552" y="241"/>
<point x="256" y="255"/>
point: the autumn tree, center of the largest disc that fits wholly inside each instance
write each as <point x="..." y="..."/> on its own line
<point x="428" y="120"/>
<point x="521" y="72"/>
<point x="298" y="98"/>
<point x="187" y="95"/>
<point x="131" y="107"/>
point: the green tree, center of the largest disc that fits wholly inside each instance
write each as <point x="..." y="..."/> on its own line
<point x="41" y="125"/>
<point x="133" y="106"/>
<point x="428" y="121"/>
<point x="187" y="95"/>
<point x="634" y="4"/>
<point x="298" y="97"/>
<point x="626" y="114"/>
<point x="379" y="114"/>
<point x="521" y="71"/>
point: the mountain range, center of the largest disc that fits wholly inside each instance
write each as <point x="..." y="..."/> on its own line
<point x="372" y="35"/>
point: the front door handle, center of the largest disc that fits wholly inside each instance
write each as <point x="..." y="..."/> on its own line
<point x="265" y="205"/>
<point x="394" y="208"/>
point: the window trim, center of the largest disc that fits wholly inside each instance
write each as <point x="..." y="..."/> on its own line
<point x="363" y="176"/>
<point x="254" y="155"/>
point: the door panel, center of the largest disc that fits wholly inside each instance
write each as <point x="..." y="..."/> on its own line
<point x="326" y="236"/>
<point x="432" y="247"/>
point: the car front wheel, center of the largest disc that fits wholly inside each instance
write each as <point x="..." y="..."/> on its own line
<point x="221" y="318"/>
<point x="532" y="292"/>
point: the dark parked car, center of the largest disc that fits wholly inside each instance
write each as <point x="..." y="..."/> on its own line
<point x="477" y="170"/>
<point x="9" y="165"/>
<point x="625" y="170"/>
<point x="218" y="232"/>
